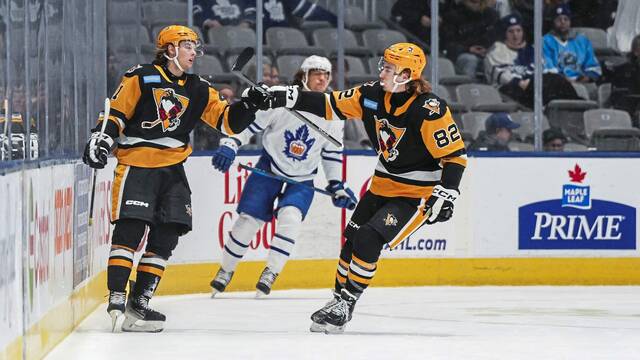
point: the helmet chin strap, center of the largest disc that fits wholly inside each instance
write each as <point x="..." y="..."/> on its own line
<point x="175" y="58"/>
<point x="396" y="84"/>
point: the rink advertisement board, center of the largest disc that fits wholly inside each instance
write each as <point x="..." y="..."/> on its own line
<point x="11" y="246"/>
<point x="553" y="207"/>
<point x="576" y="221"/>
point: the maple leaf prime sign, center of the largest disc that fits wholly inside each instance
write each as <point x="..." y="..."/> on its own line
<point x="576" y="221"/>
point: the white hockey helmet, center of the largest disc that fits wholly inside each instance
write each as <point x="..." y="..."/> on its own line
<point x="315" y="62"/>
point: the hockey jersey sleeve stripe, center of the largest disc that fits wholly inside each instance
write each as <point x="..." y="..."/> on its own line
<point x="325" y="151"/>
<point x="332" y="159"/>
<point x="460" y="160"/>
<point x="279" y="250"/>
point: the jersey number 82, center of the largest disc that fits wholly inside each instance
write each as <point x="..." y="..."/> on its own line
<point x="445" y="137"/>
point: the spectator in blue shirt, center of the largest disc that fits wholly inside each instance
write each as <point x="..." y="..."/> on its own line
<point x="569" y="53"/>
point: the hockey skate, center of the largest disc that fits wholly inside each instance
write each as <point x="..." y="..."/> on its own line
<point x="267" y="278"/>
<point x="116" y="306"/>
<point x="340" y="314"/>
<point x="220" y="282"/>
<point x="318" y="323"/>
<point x="139" y="317"/>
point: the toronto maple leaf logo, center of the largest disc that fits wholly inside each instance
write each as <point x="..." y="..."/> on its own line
<point x="576" y="175"/>
<point x="297" y="146"/>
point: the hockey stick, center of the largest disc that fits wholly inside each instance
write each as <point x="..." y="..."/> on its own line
<point x="287" y="180"/>
<point x="105" y="118"/>
<point x="236" y="69"/>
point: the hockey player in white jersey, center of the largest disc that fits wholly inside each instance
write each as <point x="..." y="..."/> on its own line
<point x="290" y="150"/>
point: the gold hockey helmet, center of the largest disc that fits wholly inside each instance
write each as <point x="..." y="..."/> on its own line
<point x="173" y="34"/>
<point x="406" y="56"/>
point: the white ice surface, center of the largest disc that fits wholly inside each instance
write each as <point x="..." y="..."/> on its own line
<point x="389" y="323"/>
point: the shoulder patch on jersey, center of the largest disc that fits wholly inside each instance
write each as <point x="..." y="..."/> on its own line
<point x="433" y="107"/>
<point x="149" y="79"/>
<point x="370" y="104"/>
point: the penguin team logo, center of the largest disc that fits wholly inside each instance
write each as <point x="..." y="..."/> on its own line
<point x="432" y="105"/>
<point x="170" y="106"/>
<point x="388" y="138"/>
<point x="390" y="220"/>
<point x="297" y="146"/>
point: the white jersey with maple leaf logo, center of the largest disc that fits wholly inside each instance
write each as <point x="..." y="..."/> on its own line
<point x="295" y="150"/>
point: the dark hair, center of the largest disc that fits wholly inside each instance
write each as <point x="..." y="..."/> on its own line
<point x="297" y="78"/>
<point x="159" y="58"/>
<point x="420" y="86"/>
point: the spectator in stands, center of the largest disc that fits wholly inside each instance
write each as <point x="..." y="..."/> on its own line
<point x="509" y="65"/>
<point x="415" y="16"/>
<point x="216" y="13"/>
<point x="498" y="132"/>
<point x="625" y="88"/>
<point x="568" y="53"/>
<point x="469" y="32"/>
<point x="287" y="13"/>
<point x="227" y="91"/>
<point x="553" y="140"/>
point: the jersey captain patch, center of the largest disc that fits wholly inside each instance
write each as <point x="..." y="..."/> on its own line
<point x="297" y="145"/>
<point x="170" y="106"/>
<point x="388" y="138"/>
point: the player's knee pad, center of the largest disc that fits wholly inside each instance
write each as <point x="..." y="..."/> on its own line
<point x="128" y="232"/>
<point x="289" y="222"/>
<point x="163" y="239"/>
<point x="245" y="228"/>
<point x="367" y="244"/>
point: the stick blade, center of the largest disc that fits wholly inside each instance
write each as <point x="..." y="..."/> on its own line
<point x="243" y="59"/>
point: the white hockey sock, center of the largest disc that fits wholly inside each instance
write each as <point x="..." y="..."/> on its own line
<point x="289" y="222"/>
<point x="238" y="239"/>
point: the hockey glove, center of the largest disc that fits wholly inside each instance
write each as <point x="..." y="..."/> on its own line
<point x="286" y="96"/>
<point x="441" y="204"/>
<point x="257" y="97"/>
<point x="224" y="155"/>
<point x="343" y="197"/>
<point x="96" y="150"/>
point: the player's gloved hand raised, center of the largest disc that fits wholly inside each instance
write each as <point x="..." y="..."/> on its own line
<point x="441" y="204"/>
<point x="257" y="97"/>
<point x="224" y="155"/>
<point x="96" y="150"/>
<point x="343" y="197"/>
<point x="286" y="96"/>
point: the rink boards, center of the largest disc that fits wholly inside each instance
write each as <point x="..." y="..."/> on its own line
<point x="519" y="221"/>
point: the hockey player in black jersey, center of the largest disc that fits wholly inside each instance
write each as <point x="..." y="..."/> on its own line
<point x="153" y="111"/>
<point x="421" y="159"/>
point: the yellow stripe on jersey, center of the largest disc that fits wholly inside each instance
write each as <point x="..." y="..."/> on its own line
<point x="391" y="188"/>
<point x="215" y="110"/>
<point x="125" y="98"/>
<point x="441" y="136"/>
<point x="149" y="157"/>
<point x="347" y="103"/>
<point x="181" y="82"/>
<point x="460" y="160"/>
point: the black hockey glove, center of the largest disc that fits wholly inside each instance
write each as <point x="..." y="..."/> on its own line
<point x="441" y="204"/>
<point x="96" y="150"/>
<point x="257" y="97"/>
<point x="286" y="96"/>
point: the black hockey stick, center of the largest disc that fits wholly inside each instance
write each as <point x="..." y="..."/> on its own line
<point x="105" y="118"/>
<point x="287" y="180"/>
<point x="236" y="69"/>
